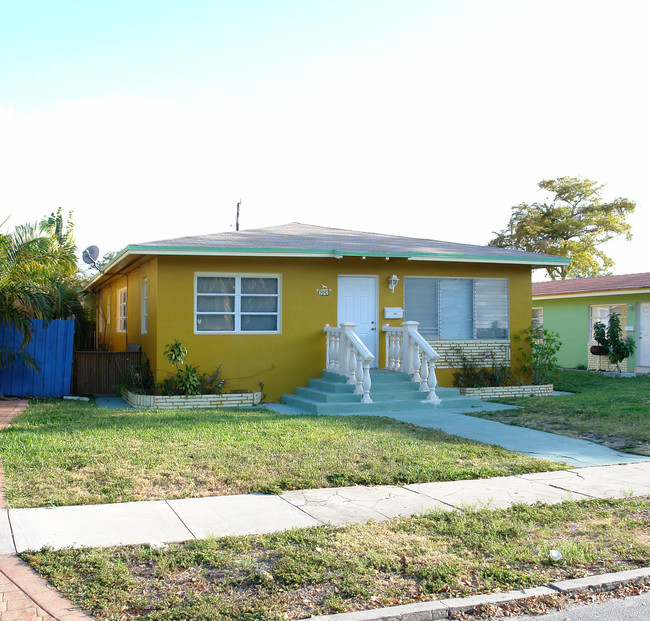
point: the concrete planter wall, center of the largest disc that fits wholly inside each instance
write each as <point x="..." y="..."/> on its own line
<point x="194" y="401"/>
<point x="493" y="392"/>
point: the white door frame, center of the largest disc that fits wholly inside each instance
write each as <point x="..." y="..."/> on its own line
<point x="643" y="355"/>
<point x="371" y="335"/>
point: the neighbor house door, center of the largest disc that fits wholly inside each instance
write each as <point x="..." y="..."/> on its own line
<point x="644" y="335"/>
<point x="357" y="303"/>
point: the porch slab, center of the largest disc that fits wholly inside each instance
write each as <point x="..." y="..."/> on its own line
<point x="617" y="481"/>
<point x="497" y="493"/>
<point x="239" y="515"/>
<point x="349" y="505"/>
<point x="97" y="525"/>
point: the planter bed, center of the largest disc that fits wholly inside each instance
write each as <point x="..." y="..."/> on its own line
<point x="494" y="392"/>
<point x="193" y="401"/>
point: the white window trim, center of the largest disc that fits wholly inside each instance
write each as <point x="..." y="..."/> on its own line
<point x="144" y="306"/>
<point x="610" y="307"/>
<point x="238" y="275"/>
<point x="474" y="317"/>
<point x="122" y="311"/>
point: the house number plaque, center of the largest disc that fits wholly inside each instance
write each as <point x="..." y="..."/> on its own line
<point x="324" y="290"/>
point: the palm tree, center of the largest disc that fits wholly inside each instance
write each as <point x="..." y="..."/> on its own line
<point x="38" y="279"/>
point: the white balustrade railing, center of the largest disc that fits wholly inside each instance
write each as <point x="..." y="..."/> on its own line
<point x="347" y="355"/>
<point x="409" y="352"/>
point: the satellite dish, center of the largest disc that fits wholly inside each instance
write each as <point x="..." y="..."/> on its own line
<point x="90" y="255"/>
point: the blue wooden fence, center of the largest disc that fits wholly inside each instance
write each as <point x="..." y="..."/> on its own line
<point x="51" y="346"/>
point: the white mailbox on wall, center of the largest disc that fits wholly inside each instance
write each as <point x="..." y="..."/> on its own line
<point x="393" y="312"/>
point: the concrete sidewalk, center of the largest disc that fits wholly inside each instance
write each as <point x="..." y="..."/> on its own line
<point x="195" y="518"/>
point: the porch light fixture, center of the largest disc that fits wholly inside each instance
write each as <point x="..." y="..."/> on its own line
<point x="392" y="282"/>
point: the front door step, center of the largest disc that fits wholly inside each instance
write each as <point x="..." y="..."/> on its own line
<point x="391" y="391"/>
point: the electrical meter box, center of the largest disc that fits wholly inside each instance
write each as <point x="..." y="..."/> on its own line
<point x="393" y="312"/>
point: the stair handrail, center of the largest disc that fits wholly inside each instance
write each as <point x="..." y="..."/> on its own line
<point x="347" y="354"/>
<point x="409" y="352"/>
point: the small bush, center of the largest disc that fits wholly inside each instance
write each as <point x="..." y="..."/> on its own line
<point x="610" y="338"/>
<point x="538" y="353"/>
<point x="475" y="372"/>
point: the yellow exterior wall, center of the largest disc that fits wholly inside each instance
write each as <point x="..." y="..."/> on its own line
<point x="109" y="337"/>
<point x="288" y="359"/>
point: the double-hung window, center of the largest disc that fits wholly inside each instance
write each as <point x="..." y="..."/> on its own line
<point x="225" y="303"/>
<point x="121" y="310"/>
<point x="458" y="308"/>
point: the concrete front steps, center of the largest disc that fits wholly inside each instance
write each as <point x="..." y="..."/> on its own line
<point x="390" y="391"/>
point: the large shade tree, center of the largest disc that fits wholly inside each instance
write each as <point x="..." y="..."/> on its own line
<point x="574" y="223"/>
<point x="38" y="279"/>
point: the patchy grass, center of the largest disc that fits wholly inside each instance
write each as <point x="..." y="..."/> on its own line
<point x="299" y="573"/>
<point x="59" y="453"/>
<point x="611" y="411"/>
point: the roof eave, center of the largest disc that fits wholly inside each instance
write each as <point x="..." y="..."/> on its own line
<point x="137" y="250"/>
<point x="590" y="294"/>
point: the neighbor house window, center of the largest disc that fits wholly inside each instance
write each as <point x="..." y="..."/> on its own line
<point x="458" y="308"/>
<point x="108" y="307"/>
<point x="144" y="320"/>
<point x="601" y="312"/>
<point x="237" y="303"/>
<point x="121" y="310"/>
<point x="538" y="318"/>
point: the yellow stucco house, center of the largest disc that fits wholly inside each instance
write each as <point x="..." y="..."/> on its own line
<point x="267" y="304"/>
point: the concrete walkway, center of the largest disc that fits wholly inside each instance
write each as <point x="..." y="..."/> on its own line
<point x="196" y="518"/>
<point x="540" y="444"/>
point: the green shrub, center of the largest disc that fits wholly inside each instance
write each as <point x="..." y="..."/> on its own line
<point x="619" y="349"/>
<point x="538" y="353"/>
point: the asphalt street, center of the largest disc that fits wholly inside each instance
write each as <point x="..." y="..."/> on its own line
<point x="635" y="608"/>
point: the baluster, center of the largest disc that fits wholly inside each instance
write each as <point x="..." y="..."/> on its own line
<point x="358" y="373"/>
<point x="366" y="383"/>
<point x="394" y="351"/>
<point x="336" y="343"/>
<point x="432" y="381"/>
<point x="389" y="350"/>
<point x="424" y="372"/>
<point x="403" y="353"/>
<point x="415" y="363"/>
<point x="350" y="364"/>
<point x="328" y="347"/>
<point x="387" y="347"/>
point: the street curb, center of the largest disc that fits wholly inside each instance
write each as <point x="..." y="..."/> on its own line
<point x="448" y="608"/>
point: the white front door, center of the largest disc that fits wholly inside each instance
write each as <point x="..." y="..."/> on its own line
<point x="357" y="303"/>
<point x="644" y="335"/>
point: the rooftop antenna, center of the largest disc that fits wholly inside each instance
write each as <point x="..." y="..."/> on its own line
<point x="237" y="220"/>
<point x="90" y="255"/>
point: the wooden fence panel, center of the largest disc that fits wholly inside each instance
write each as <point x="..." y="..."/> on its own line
<point x="98" y="372"/>
<point x="51" y="346"/>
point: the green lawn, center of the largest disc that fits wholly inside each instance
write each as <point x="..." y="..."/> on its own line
<point x="611" y="411"/>
<point x="62" y="453"/>
<point x="323" y="570"/>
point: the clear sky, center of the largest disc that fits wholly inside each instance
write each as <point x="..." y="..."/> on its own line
<point x="151" y="119"/>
